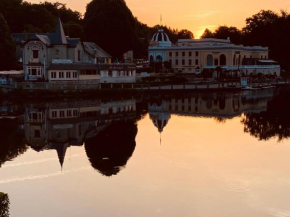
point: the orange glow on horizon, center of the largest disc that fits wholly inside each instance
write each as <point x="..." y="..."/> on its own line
<point x="195" y="16"/>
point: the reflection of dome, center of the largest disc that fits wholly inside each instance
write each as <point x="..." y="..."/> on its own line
<point x="161" y="37"/>
<point x="110" y="150"/>
<point x="159" y="119"/>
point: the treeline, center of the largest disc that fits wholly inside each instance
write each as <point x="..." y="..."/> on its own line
<point x="266" y="28"/>
<point x="22" y="17"/>
<point x="109" y="23"/>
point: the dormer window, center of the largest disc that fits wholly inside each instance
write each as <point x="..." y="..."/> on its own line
<point x="57" y="52"/>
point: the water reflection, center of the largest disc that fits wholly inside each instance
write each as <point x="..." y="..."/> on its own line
<point x="110" y="150"/>
<point x="64" y="125"/>
<point x="12" y="142"/>
<point x="272" y="122"/>
<point x="220" y="106"/>
<point x="108" y="129"/>
<point x="4" y="205"/>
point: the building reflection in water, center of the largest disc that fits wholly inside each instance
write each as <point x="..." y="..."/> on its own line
<point x="108" y="129"/>
<point x="221" y="106"/>
<point x="57" y="127"/>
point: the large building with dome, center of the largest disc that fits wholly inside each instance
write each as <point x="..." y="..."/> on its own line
<point x="194" y="55"/>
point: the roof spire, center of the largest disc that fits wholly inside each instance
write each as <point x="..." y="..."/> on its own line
<point x="59" y="33"/>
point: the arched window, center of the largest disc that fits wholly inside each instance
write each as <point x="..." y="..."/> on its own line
<point x="209" y="60"/>
<point x="151" y="58"/>
<point x="159" y="58"/>
<point x="223" y="60"/>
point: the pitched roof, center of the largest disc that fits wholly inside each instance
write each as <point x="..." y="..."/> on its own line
<point x="93" y="49"/>
<point x="56" y="38"/>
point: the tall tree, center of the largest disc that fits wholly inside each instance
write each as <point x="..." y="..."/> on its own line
<point x="111" y="24"/>
<point x="185" y="34"/>
<point x="270" y="29"/>
<point x="207" y="34"/>
<point x="223" y="32"/>
<point x="7" y="47"/>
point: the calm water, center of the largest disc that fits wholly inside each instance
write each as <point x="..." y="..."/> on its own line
<point x="214" y="154"/>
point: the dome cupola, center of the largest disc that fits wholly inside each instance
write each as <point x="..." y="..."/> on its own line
<point x="160" y="38"/>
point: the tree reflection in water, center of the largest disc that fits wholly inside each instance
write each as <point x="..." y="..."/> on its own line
<point x="274" y="122"/>
<point x="110" y="150"/>
<point x="12" y="141"/>
<point x="4" y="205"/>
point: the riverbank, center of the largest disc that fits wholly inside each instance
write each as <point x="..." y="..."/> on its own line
<point x="119" y="90"/>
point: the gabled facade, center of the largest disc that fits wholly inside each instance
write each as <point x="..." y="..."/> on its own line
<point x="39" y="51"/>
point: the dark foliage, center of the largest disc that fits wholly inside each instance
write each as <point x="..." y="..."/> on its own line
<point x="22" y="16"/>
<point x="12" y="141"/>
<point x="112" y="25"/>
<point x="110" y="150"/>
<point x="4" y="205"/>
<point x="7" y="47"/>
<point x="275" y="122"/>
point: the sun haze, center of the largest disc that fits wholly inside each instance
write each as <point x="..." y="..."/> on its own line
<point x="195" y="16"/>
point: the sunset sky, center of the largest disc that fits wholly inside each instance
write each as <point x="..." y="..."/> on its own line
<point x="192" y="15"/>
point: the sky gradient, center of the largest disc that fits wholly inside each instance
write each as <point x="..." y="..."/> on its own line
<point x="193" y="15"/>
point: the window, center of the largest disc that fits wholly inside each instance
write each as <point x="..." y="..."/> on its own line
<point x="183" y="62"/>
<point x="223" y="60"/>
<point x="53" y="74"/>
<point x="176" y="62"/>
<point x="61" y="74"/>
<point x="68" y="74"/>
<point x="176" y="54"/>
<point x="183" y="54"/>
<point x="75" y="112"/>
<point x="209" y="60"/>
<point x="189" y="53"/>
<point x="196" y="62"/>
<point x="170" y="54"/>
<point x="54" y="114"/>
<point x="61" y="113"/>
<point x="75" y="74"/>
<point x="57" y="52"/>
<point x="69" y="113"/>
<point x="196" y="53"/>
<point x="35" y="54"/>
<point x="189" y="62"/>
<point x="33" y="72"/>
<point x="79" y="55"/>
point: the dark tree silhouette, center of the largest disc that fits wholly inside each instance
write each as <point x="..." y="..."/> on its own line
<point x="7" y="47"/>
<point x="185" y="34"/>
<point x="110" y="150"/>
<point x="111" y="24"/>
<point x="4" y="205"/>
<point x="207" y="34"/>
